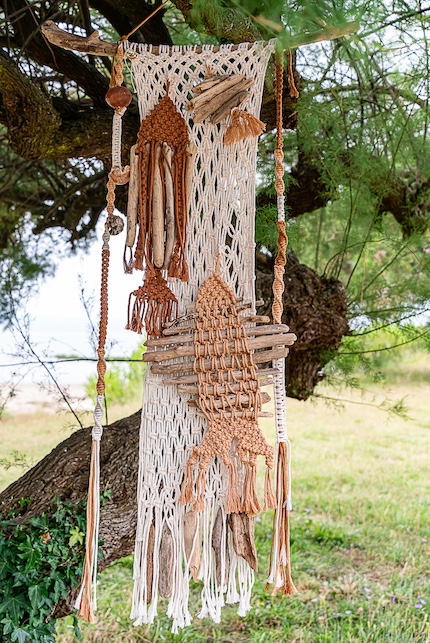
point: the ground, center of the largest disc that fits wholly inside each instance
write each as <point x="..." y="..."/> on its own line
<point x="360" y="526"/>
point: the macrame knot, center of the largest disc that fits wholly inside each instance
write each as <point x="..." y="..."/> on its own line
<point x="120" y="176"/>
<point x="97" y="431"/>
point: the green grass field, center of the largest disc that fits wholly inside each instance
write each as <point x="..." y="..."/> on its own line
<point x="360" y="528"/>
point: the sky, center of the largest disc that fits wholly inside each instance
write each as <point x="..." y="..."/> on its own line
<point x="58" y="321"/>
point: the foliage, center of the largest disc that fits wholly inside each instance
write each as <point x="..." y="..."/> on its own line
<point x="122" y="382"/>
<point x="40" y="561"/>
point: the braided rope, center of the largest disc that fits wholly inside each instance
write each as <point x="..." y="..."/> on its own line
<point x="278" y="283"/>
<point x="280" y="570"/>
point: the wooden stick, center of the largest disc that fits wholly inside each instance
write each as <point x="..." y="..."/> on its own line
<point x="221" y="390"/>
<point x="207" y="96"/>
<point x="193" y="379"/>
<point x="225" y="109"/>
<point x="253" y="331"/>
<point x="96" y="47"/>
<point x="244" y="400"/>
<point x="192" y="151"/>
<point x="252" y="319"/>
<point x="190" y="315"/>
<point x="254" y="343"/>
<point x="204" y="111"/>
<point x="260" y="357"/>
<point x="209" y="83"/>
<point x="157" y="214"/>
<point x="237" y="414"/>
<point x="133" y="198"/>
<point x="170" y="205"/>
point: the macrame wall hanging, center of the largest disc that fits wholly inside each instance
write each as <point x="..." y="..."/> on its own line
<point x="190" y="228"/>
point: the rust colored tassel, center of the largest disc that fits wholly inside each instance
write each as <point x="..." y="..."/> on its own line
<point x="269" y="497"/>
<point x="243" y="125"/>
<point x="154" y="305"/>
<point x="251" y="504"/>
<point x="187" y="485"/>
<point x="199" y="504"/>
<point x="233" y="500"/>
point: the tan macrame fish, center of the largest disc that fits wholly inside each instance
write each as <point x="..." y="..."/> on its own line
<point x="162" y="171"/>
<point x="221" y="399"/>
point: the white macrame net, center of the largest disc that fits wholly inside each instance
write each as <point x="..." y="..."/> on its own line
<point x="221" y="222"/>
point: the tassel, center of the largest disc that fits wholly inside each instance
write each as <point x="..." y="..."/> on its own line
<point x="243" y="125"/>
<point x="187" y="485"/>
<point x="269" y="497"/>
<point x="154" y="305"/>
<point x="233" y="500"/>
<point x="280" y="563"/>
<point x="86" y="603"/>
<point x="251" y="504"/>
<point x="199" y="504"/>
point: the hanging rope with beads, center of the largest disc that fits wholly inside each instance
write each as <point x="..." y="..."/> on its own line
<point x="119" y="98"/>
<point x="280" y="569"/>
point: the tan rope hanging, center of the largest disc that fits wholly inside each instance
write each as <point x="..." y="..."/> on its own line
<point x="280" y="552"/>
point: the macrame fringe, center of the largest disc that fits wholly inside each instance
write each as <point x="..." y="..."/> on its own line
<point x="269" y="496"/>
<point x="250" y="502"/>
<point x="232" y="504"/>
<point x="280" y="564"/>
<point x="154" y="305"/>
<point x="243" y="125"/>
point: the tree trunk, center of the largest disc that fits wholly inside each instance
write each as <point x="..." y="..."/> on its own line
<point x="64" y="473"/>
<point x="315" y="309"/>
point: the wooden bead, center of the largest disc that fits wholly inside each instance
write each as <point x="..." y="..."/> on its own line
<point x="118" y="97"/>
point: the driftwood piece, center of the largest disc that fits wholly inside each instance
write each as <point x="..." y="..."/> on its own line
<point x="242" y="528"/>
<point x="253" y="331"/>
<point x="170" y="205"/>
<point x="225" y="109"/>
<point x="237" y="414"/>
<point x="251" y="319"/>
<point x="157" y="214"/>
<point x="192" y="379"/>
<point x="93" y="45"/>
<point x="150" y="563"/>
<point x="165" y="580"/>
<point x="206" y="110"/>
<point x="188" y="389"/>
<point x="187" y="367"/>
<point x="209" y="83"/>
<point x="192" y="151"/>
<point x="218" y="545"/>
<point x="133" y="198"/>
<point x="254" y="343"/>
<point x="192" y="538"/>
<point x="216" y="90"/>
<point x="190" y="314"/>
<point x="244" y="400"/>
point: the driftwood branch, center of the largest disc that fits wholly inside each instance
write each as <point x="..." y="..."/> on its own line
<point x="94" y="45"/>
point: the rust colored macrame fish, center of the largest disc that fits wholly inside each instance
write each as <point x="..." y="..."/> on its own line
<point x="217" y="322"/>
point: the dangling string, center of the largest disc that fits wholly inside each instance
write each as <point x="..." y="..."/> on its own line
<point x="280" y="572"/>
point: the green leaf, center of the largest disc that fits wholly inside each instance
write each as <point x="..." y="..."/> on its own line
<point x="37" y="595"/>
<point x="8" y="625"/>
<point x="76" y="537"/>
<point x="20" y="635"/>
<point x="14" y="606"/>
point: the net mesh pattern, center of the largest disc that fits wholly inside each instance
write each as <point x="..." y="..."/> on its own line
<point x="221" y="223"/>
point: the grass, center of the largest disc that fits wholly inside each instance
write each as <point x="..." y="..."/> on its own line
<point x="360" y="531"/>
